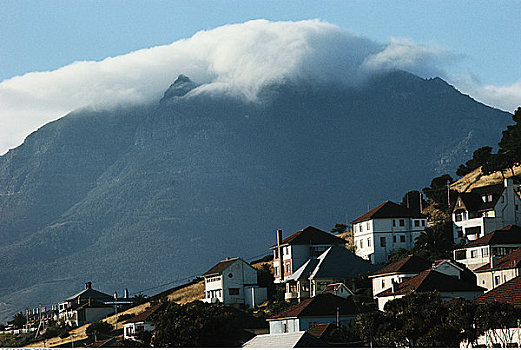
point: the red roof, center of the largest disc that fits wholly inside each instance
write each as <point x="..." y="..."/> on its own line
<point x="321" y="329"/>
<point x="410" y="264"/>
<point x="388" y="210"/>
<point x="431" y="280"/>
<point x="507" y="262"/>
<point x="220" y="267"/>
<point x="508" y="292"/>
<point x="312" y="235"/>
<point x="142" y="317"/>
<point x="510" y="234"/>
<point x="320" y="305"/>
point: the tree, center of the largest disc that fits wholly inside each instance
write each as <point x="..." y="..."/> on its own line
<point x="19" y="320"/>
<point x="199" y="324"/>
<point x="339" y="228"/>
<point x="509" y="153"/>
<point x="99" y="328"/>
<point x="494" y="319"/>
<point x="412" y="200"/>
<point x="461" y="317"/>
<point x="437" y="192"/>
<point x="479" y="157"/>
<point x="436" y="242"/>
<point x="397" y="254"/>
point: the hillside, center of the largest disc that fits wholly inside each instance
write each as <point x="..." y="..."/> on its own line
<point x="139" y="196"/>
<point x="477" y="179"/>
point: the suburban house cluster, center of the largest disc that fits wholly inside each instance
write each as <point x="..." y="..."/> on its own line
<point x="318" y="274"/>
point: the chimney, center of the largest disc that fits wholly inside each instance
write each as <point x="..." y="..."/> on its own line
<point x="279" y="252"/>
<point x="125" y="295"/>
<point x="88" y="285"/>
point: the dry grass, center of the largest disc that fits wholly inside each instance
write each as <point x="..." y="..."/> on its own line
<point x="476" y="179"/>
<point x="187" y="294"/>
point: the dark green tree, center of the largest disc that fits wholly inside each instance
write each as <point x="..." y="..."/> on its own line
<point x="479" y="157"/>
<point x="437" y="192"/>
<point x="412" y="200"/>
<point x="19" y="320"/>
<point x="99" y="328"/>
<point x="461" y="318"/>
<point x="396" y="255"/>
<point x="497" y="318"/>
<point x="436" y="242"/>
<point x="339" y="228"/>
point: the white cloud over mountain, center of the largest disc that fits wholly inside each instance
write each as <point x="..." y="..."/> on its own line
<point x="237" y="59"/>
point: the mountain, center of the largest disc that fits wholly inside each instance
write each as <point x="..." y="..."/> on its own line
<point x="140" y="196"/>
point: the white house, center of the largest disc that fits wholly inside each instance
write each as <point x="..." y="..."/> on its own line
<point x="233" y="282"/>
<point x="449" y="279"/>
<point x="336" y="264"/>
<point x="323" y="308"/>
<point x="398" y="272"/>
<point x="497" y="244"/>
<point x="292" y="252"/>
<point x="385" y="228"/>
<point x="485" y="209"/>
<point x="499" y="271"/>
<point x="141" y="322"/>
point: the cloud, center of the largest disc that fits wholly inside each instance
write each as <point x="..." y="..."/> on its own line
<point x="236" y="59"/>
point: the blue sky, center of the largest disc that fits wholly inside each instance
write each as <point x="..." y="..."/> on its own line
<point x="474" y="45"/>
<point x="45" y="35"/>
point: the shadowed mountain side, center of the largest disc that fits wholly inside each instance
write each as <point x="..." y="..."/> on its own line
<point x="141" y="196"/>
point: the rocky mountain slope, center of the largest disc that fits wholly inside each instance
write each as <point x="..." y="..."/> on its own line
<point x="140" y="196"/>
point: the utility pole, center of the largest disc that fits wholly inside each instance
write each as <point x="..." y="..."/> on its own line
<point x="448" y="196"/>
<point x="421" y="205"/>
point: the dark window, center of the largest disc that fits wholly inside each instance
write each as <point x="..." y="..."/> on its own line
<point x="416" y="223"/>
<point x="383" y="242"/>
<point x="233" y="291"/>
<point x="394" y="239"/>
<point x="402" y="222"/>
<point x="402" y="239"/>
<point x="230" y="275"/>
<point x="460" y="254"/>
<point x="394" y="222"/>
<point x="497" y="279"/>
<point x="276" y="254"/>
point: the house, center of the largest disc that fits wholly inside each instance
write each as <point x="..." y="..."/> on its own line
<point x="292" y="252"/>
<point x="485" y="209"/>
<point x="385" y="228"/>
<point x="508" y="292"/>
<point x="300" y="339"/>
<point x="336" y="264"/>
<point x="448" y="285"/>
<point x="338" y="289"/>
<point x="398" y="272"/>
<point x="141" y="322"/>
<point x="499" y="271"/>
<point x="233" y="282"/>
<point x="497" y="243"/>
<point x="323" y="308"/>
<point x="90" y="305"/>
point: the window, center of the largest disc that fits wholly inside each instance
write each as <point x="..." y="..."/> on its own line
<point x="489" y="198"/>
<point x="383" y="283"/>
<point x="233" y="291"/>
<point x="473" y="253"/>
<point x="394" y="223"/>
<point x="368" y="225"/>
<point x="460" y="254"/>
<point x="402" y="222"/>
<point x="459" y="202"/>
<point x="356" y="228"/>
<point x="383" y="242"/>
<point x="369" y="242"/>
<point x="402" y="238"/>
<point x="484" y="251"/>
<point x="276" y="270"/>
<point x="484" y="198"/>
<point x="497" y="280"/>
<point x="394" y="239"/>
<point x="424" y="222"/>
<point x="288" y="270"/>
<point x="361" y="243"/>
<point x="284" y="328"/>
<point x="361" y="227"/>
<point x="458" y="217"/>
<point x="416" y="223"/>
<point x="276" y="254"/>
<point x="230" y="275"/>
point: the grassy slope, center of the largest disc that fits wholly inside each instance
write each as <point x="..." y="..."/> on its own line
<point x="476" y="179"/>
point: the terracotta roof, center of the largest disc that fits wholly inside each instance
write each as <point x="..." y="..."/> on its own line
<point x="142" y="317"/>
<point x="507" y="262"/>
<point x="320" y="305"/>
<point x="313" y="235"/>
<point x="431" y="280"/>
<point x="410" y="264"/>
<point x="508" y="292"/>
<point x="321" y="329"/>
<point x="388" y="210"/>
<point x="220" y="267"/>
<point x="510" y="234"/>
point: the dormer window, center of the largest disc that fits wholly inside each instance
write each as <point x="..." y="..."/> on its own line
<point x="484" y="198"/>
<point x="489" y="198"/>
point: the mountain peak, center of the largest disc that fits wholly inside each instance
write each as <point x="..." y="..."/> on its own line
<point x="180" y="87"/>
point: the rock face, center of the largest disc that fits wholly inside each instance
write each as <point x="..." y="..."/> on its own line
<point x="139" y="197"/>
